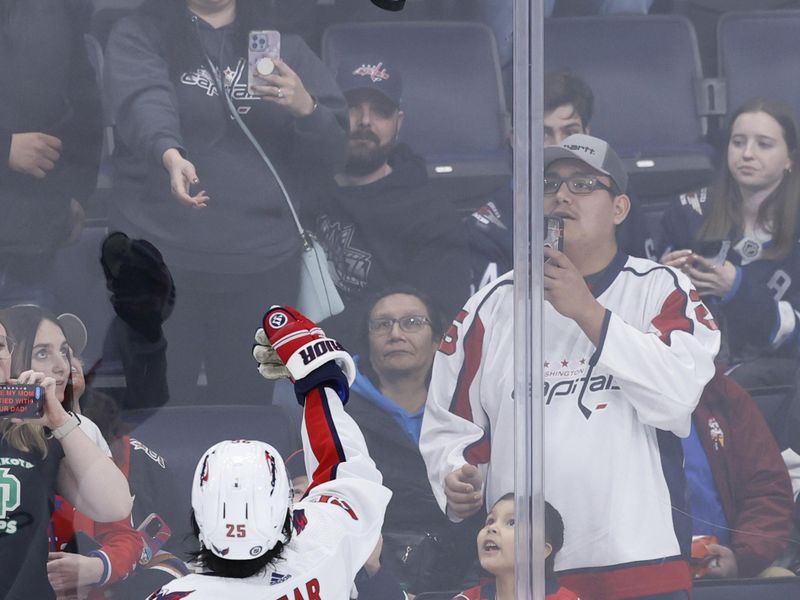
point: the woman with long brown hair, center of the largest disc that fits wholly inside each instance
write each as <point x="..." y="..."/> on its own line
<point x="43" y="457"/>
<point x="737" y="242"/>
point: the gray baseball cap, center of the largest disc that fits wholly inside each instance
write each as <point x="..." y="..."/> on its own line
<point x="594" y="152"/>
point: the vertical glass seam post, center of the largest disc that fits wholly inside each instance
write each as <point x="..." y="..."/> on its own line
<point x="528" y="274"/>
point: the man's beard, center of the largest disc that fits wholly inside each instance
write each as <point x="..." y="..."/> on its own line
<point x="363" y="161"/>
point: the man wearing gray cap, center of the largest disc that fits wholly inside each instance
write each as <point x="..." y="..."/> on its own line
<point x="628" y="348"/>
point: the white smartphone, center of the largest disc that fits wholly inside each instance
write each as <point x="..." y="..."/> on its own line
<point x="263" y="47"/>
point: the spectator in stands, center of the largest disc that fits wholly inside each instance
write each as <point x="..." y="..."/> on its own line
<point x="118" y="545"/>
<point x="50" y="133"/>
<point x="739" y="488"/>
<point x="381" y="221"/>
<point x="628" y="349"/>
<point x="398" y="337"/>
<point x="190" y="181"/>
<point x="496" y="552"/>
<point x="73" y="567"/>
<point x="568" y="109"/>
<point x="737" y="243"/>
<point x="152" y="484"/>
<point x="43" y="457"/>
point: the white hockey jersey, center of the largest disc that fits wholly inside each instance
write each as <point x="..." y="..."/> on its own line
<point x="612" y="458"/>
<point x="335" y="527"/>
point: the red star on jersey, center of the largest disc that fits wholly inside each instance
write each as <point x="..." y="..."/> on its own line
<point x="565" y="363"/>
<point x="583" y="361"/>
<point x="546" y="365"/>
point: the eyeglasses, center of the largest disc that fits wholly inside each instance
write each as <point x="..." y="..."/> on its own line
<point x="410" y="324"/>
<point x="6" y="346"/>
<point x="580" y="185"/>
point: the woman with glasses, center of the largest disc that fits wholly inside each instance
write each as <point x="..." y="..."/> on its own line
<point x="737" y="242"/>
<point x="398" y="337"/>
<point x="40" y="458"/>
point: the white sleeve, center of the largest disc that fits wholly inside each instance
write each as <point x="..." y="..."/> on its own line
<point x="343" y="474"/>
<point x="454" y="422"/>
<point x="666" y="367"/>
<point x="92" y="431"/>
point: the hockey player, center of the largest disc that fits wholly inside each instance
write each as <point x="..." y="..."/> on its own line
<point x="254" y="543"/>
<point x="628" y="347"/>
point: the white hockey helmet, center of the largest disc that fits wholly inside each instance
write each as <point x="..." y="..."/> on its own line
<point x="240" y="496"/>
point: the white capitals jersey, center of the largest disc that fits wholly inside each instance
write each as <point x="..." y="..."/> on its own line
<point x="612" y="413"/>
<point x="335" y="527"/>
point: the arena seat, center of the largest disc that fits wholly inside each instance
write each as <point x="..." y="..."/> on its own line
<point x="644" y="72"/>
<point x="774" y="404"/>
<point x="80" y="288"/>
<point x="758" y="54"/>
<point x="452" y="91"/>
<point x="777" y="588"/>
<point x="182" y="433"/>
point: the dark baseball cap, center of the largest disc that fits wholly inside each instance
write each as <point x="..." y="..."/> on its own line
<point x="357" y="74"/>
<point x="593" y="151"/>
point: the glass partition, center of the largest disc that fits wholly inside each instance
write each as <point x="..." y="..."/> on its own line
<point x="174" y="168"/>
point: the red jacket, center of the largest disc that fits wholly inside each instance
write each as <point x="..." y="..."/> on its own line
<point x="121" y="546"/>
<point x="750" y="475"/>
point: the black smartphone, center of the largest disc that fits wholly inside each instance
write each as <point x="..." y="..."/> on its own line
<point x="553" y="233"/>
<point x="21" y="401"/>
<point x="715" y="251"/>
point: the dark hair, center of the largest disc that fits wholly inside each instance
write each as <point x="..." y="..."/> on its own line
<point x="778" y="213"/>
<point x="553" y="535"/>
<point x="178" y="30"/>
<point x="105" y="412"/>
<point x="439" y="322"/>
<point x="553" y="532"/>
<point x="562" y="88"/>
<point x="239" y="569"/>
<point x="21" y="323"/>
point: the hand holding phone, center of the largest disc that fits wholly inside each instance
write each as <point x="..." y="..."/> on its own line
<point x="21" y="401"/>
<point x="156" y="533"/>
<point x="715" y="251"/>
<point x="553" y="233"/>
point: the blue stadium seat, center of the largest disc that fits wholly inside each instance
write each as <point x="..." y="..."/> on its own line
<point x="644" y="72"/>
<point x="182" y="433"/>
<point x="758" y="55"/>
<point x="452" y="92"/>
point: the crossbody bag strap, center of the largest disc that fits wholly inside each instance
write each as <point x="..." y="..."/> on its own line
<point x="259" y="149"/>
